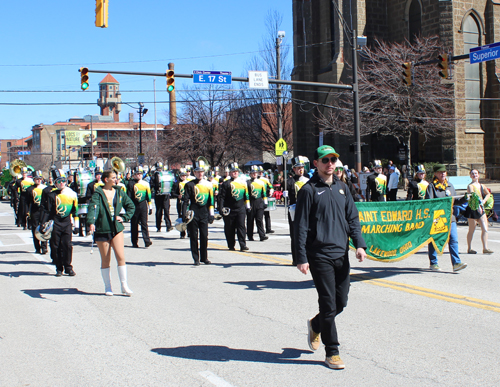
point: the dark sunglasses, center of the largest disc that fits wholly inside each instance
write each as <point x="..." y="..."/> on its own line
<point x="61" y="181"/>
<point x="325" y="160"/>
<point x="339" y="169"/>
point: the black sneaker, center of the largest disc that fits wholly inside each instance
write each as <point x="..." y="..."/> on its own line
<point x="71" y="273"/>
<point x="270" y="232"/>
<point x="207" y="262"/>
<point x="264" y="239"/>
<point x="148" y="243"/>
<point x="170" y="229"/>
<point x="197" y="263"/>
<point x="135" y="246"/>
<point x="244" y="248"/>
<point x="58" y="273"/>
<point x="232" y="248"/>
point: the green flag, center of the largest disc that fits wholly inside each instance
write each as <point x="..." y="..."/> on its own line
<point x="395" y="230"/>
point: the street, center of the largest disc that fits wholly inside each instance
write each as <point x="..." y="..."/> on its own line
<point x="242" y="320"/>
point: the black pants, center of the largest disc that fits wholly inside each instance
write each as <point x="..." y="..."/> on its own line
<point x="35" y="220"/>
<point x="331" y="278"/>
<point x="60" y="244"/>
<point x="179" y="214"/>
<point x="200" y="254"/>
<point x="392" y="195"/>
<point x="140" y="217"/>
<point x="234" y="224"/>
<point x="292" y="237"/>
<point x="22" y="211"/>
<point x="267" y="218"/>
<point x="162" y="204"/>
<point x="256" y="215"/>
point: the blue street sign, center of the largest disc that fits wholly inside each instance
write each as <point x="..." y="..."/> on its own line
<point x="23" y="153"/>
<point x="484" y="53"/>
<point x="212" y="77"/>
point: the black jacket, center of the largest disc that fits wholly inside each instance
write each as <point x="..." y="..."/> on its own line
<point x="325" y="218"/>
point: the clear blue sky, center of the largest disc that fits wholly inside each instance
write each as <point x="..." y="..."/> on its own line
<point x="46" y="42"/>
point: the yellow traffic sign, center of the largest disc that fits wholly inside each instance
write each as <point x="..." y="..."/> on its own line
<point x="280" y="147"/>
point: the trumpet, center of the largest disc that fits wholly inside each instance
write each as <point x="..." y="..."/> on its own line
<point x="117" y="165"/>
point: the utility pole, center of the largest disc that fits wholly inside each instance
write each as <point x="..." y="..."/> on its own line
<point x="355" y="97"/>
<point x="279" y="39"/>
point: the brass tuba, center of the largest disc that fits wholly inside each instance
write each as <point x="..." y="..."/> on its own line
<point x="117" y="165"/>
<point x="205" y="161"/>
<point x="15" y="167"/>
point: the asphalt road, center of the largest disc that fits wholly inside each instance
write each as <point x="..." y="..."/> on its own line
<point x="242" y="320"/>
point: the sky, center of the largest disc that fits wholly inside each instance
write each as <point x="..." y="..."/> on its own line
<point x="44" y="43"/>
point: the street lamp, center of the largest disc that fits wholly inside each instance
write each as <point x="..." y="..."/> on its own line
<point x="142" y="112"/>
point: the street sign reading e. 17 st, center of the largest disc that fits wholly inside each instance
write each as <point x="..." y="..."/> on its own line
<point x="212" y="77"/>
<point x="484" y="53"/>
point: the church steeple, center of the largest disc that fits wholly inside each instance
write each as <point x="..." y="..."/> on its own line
<point x="110" y="97"/>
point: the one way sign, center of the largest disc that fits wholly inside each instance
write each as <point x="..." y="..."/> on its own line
<point x="280" y="147"/>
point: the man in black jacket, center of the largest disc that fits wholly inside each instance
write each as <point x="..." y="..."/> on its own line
<point x="325" y="218"/>
<point x="162" y="198"/>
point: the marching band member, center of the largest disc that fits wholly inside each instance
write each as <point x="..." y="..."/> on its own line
<point x="198" y="195"/>
<point x="418" y="186"/>
<point x="105" y="219"/>
<point x="258" y="202"/>
<point x="376" y="184"/>
<point x="162" y="201"/>
<point x="34" y="202"/>
<point x="59" y="205"/>
<point x="293" y="186"/>
<point x="14" y="198"/>
<point x="139" y="191"/>
<point x="233" y="197"/>
<point x="178" y="193"/>
<point x="269" y="193"/>
<point x="21" y="187"/>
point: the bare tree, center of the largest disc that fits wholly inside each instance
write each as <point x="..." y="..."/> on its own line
<point x="388" y="106"/>
<point x="207" y="128"/>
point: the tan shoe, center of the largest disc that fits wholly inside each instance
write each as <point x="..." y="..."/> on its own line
<point x="487" y="251"/>
<point x="335" y="362"/>
<point x="313" y="338"/>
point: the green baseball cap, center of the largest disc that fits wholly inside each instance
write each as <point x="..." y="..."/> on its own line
<point x="323" y="151"/>
<point x="439" y="168"/>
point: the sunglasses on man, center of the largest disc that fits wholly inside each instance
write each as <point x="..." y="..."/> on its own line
<point x="61" y="181"/>
<point x="325" y="160"/>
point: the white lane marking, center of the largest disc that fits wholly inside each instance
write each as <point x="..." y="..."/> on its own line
<point x="214" y="379"/>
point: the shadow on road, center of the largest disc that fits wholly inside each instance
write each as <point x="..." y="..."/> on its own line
<point x="380" y="273"/>
<point x="24" y="273"/>
<point x="39" y="293"/>
<point x="286" y="285"/>
<point x="220" y="353"/>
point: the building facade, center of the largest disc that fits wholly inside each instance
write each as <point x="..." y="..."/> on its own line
<point x="322" y="53"/>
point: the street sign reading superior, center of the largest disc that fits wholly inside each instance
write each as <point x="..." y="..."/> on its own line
<point x="212" y="77"/>
<point x="484" y="53"/>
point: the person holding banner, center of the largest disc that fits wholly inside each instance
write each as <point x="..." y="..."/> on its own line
<point x="440" y="188"/>
<point x="325" y="218"/>
<point x="475" y="212"/>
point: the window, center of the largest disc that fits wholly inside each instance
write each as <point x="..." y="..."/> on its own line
<point x="414" y="20"/>
<point x="472" y="74"/>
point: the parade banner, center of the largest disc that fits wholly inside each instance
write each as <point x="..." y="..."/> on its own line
<point x="395" y="230"/>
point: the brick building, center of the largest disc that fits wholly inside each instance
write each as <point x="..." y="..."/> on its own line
<point x="459" y="25"/>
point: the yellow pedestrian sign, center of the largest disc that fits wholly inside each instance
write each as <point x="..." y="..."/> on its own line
<point x="280" y="147"/>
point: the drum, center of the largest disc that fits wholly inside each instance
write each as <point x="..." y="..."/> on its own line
<point x="166" y="182"/>
<point x="83" y="179"/>
<point x="271" y="204"/>
<point x="83" y="209"/>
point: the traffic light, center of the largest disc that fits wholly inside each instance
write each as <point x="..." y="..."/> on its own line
<point x="443" y="65"/>
<point x="101" y="13"/>
<point x="407" y="73"/>
<point x="170" y="81"/>
<point x="84" y="78"/>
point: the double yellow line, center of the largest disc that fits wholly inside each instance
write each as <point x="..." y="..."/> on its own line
<point x="430" y="293"/>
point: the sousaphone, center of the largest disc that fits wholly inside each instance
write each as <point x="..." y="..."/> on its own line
<point x="15" y="167"/>
<point x="205" y="161"/>
<point x="117" y="165"/>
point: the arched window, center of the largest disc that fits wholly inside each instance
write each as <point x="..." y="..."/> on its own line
<point x="414" y="20"/>
<point x="472" y="74"/>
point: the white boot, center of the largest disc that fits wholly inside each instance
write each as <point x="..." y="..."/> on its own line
<point x="122" y="273"/>
<point x="106" y="277"/>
